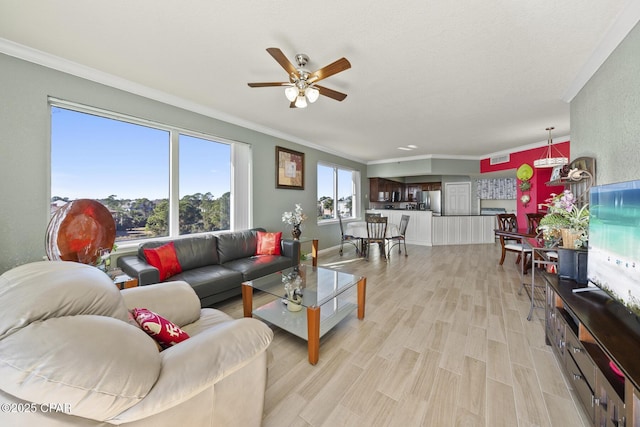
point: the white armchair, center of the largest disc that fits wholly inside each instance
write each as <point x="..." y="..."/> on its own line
<point x="71" y="355"/>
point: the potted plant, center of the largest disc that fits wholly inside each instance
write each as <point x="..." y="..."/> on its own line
<point x="565" y="219"/>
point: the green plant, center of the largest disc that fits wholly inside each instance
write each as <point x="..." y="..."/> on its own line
<point x="564" y="213"/>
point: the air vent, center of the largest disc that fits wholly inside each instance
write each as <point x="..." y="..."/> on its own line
<point x="500" y="159"/>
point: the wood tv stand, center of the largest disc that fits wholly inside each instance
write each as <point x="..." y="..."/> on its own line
<point x="587" y="331"/>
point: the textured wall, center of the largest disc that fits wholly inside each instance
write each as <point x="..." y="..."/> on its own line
<point x="605" y="115"/>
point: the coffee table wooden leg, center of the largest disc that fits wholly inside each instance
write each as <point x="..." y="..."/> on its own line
<point x="247" y="299"/>
<point x="313" y="333"/>
<point x="362" y="293"/>
<point x="314" y="252"/>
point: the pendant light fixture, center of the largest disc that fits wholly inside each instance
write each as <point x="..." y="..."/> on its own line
<point x="548" y="160"/>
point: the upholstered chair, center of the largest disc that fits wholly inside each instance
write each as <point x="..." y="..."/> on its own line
<point x="71" y="355"/>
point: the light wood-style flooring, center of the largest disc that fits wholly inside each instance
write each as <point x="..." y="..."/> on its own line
<point x="444" y="342"/>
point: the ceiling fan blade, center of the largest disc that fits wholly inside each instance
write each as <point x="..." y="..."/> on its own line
<point x="282" y="60"/>
<point x="293" y="105"/>
<point x="331" y="69"/>
<point x="268" y="84"/>
<point x="338" y="96"/>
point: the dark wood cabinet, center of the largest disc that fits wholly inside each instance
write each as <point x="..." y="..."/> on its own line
<point x="382" y="190"/>
<point x="413" y="191"/>
<point x="431" y="186"/>
<point x="588" y="332"/>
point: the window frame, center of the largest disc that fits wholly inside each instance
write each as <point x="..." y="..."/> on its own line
<point x="240" y="167"/>
<point x="355" y="192"/>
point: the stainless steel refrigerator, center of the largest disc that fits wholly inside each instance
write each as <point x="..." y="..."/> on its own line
<point x="432" y="201"/>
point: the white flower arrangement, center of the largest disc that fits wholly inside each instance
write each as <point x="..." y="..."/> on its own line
<point x="296" y="217"/>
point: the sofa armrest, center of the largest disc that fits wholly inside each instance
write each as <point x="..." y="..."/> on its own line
<point x="291" y="249"/>
<point x="201" y="361"/>
<point x="139" y="269"/>
<point x="175" y="301"/>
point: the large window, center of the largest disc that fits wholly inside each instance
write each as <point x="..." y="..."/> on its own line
<point x="337" y="192"/>
<point x="156" y="180"/>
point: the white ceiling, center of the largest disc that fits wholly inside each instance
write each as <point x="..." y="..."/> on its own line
<point x="453" y="78"/>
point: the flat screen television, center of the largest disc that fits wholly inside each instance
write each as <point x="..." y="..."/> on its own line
<point x="613" y="263"/>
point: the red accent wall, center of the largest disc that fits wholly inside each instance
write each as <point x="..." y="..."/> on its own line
<point x="539" y="192"/>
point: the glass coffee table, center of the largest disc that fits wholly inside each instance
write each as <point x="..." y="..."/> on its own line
<point x="322" y="304"/>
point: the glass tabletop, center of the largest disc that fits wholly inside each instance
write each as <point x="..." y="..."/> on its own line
<point x="318" y="285"/>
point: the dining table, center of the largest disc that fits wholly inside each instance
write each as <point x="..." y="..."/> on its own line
<point x="534" y="251"/>
<point x="358" y="229"/>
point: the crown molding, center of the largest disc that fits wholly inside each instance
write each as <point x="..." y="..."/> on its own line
<point x="35" y="56"/>
<point x="624" y="23"/>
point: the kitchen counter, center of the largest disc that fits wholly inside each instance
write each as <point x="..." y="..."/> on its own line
<point x="463" y="229"/>
<point x="427" y="229"/>
<point x="419" y="227"/>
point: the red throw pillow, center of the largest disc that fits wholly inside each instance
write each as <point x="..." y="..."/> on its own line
<point x="164" y="258"/>
<point x="268" y="243"/>
<point x="160" y="329"/>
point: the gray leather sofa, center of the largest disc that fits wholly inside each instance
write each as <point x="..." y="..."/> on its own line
<point x="216" y="264"/>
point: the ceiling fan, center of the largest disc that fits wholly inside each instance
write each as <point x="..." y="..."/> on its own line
<point x="302" y="85"/>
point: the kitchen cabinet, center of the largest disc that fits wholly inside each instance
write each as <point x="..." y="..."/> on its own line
<point x="413" y="191"/>
<point x="431" y="186"/>
<point x="381" y="190"/>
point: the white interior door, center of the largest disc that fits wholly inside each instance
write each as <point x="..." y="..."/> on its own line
<point x="458" y="198"/>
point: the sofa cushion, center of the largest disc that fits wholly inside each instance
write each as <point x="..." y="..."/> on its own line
<point x="209" y="318"/>
<point x="165" y="332"/>
<point x="210" y="280"/>
<point x="197" y="251"/>
<point x="165" y="259"/>
<point x="268" y="243"/>
<point x="173" y="300"/>
<point x="41" y="290"/>
<point x="237" y="244"/>
<point x="73" y="360"/>
<point x="259" y="265"/>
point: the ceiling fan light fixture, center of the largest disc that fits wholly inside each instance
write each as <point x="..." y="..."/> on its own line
<point x="301" y="102"/>
<point x="312" y="94"/>
<point x="291" y="93"/>
<point x="300" y="88"/>
<point x="548" y="160"/>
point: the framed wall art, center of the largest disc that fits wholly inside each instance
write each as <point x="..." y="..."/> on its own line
<point x="289" y="169"/>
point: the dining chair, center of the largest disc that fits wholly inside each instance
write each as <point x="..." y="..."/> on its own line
<point x="533" y="221"/>
<point x="396" y="240"/>
<point x="376" y="233"/>
<point x="369" y="215"/>
<point x="347" y="238"/>
<point x="509" y="222"/>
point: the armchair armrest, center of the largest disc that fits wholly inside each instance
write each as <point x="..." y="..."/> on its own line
<point x="141" y="270"/>
<point x="176" y="301"/>
<point x="291" y="249"/>
<point x="201" y="361"/>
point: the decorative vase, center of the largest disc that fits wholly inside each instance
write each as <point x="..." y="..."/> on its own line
<point x="569" y="238"/>
<point x="296" y="232"/>
<point x="294" y="304"/>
